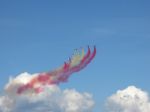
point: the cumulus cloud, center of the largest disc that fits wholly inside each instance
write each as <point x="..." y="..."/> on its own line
<point x="51" y="99"/>
<point x="131" y="99"/>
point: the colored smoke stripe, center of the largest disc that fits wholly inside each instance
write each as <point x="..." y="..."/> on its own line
<point x="78" y="61"/>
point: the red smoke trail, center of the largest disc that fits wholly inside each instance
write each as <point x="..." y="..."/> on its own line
<point x="75" y="64"/>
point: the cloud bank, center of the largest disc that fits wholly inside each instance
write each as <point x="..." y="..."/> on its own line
<point x="131" y="99"/>
<point x="51" y="99"/>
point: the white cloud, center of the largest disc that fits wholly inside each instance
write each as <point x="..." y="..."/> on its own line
<point x="52" y="99"/>
<point x="131" y="99"/>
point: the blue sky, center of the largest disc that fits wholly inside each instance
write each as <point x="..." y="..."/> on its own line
<point x="39" y="36"/>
